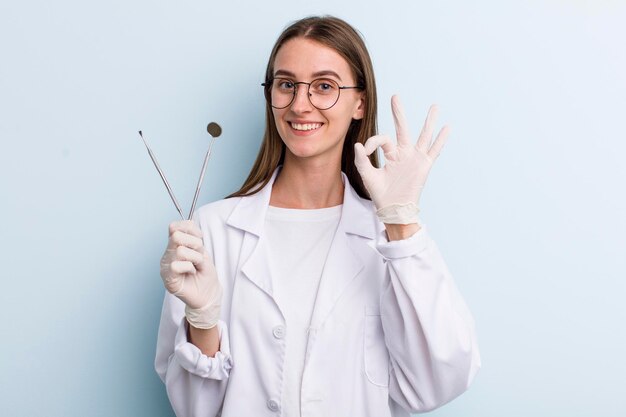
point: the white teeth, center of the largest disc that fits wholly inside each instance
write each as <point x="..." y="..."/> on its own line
<point x="306" y="126"/>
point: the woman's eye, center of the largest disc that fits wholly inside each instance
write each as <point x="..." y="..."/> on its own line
<point x="285" y="85"/>
<point x="324" y="86"/>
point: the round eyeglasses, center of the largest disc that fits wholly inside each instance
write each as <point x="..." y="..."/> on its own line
<point x="323" y="93"/>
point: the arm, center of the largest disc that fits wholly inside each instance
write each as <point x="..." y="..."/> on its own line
<point x="195" y="382"/>
<point x="195" y="374"/>
<point x="207" y="340"/>
<point x="429" y="332"/>
<point x="428" y="328"/>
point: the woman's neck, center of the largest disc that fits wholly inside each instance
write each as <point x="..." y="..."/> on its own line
<point x="308" y="186"/>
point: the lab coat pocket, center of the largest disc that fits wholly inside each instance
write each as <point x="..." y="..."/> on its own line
<point x="375" y="352"/>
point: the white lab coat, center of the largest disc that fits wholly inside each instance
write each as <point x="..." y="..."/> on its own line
<point x="390" y="333"/>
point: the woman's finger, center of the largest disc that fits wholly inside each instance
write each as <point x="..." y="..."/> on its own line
<point x="383" y="141"/>
<point x="186" y="226"/>
<point x="179" y="238"/>
<point x="402" y="128"/>
<point x="423" y="142"/>
<point x="182" y="267"/>
<point x="441" y="140"/>
<point x="185" y="254"/>
<point x="361" y="160"/>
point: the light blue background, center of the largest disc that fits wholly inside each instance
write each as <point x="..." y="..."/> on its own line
<point x="527" y="201"/>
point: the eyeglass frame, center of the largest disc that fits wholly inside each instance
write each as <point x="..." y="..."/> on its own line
<point x="267" y="86"/>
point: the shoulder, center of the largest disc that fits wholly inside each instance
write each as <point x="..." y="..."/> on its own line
<point x="219" y="209"/>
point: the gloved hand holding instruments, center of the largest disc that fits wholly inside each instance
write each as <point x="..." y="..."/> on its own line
<point x="189" y="274"/>
<point x="395" y="188"/>
<point x="186" y="268"/>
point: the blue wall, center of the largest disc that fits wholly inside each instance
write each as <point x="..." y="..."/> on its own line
<point x="526" y="202"/>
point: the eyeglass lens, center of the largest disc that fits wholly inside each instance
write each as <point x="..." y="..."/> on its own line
<point x="323" y="93"/>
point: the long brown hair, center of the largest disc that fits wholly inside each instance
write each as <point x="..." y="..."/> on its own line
<point x="343" y="38"/>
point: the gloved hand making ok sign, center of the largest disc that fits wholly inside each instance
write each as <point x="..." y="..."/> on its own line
<point x="395" y="188"/>
<point x="188" y="273"/>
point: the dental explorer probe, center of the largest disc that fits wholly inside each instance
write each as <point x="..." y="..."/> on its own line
<point x="167" y="185"/>
<point x="214" y="130"/>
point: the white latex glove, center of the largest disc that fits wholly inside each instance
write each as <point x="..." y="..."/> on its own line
<point x="395" y="188"/>
<point x="188" y="273"/>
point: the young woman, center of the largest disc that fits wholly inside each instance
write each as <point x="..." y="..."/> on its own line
<point x="298" y="295"/>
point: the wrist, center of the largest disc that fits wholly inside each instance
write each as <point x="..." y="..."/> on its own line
<point x="203" y="318"/>
<point x="399" y="213"/>
<point x="401" y="231"/>
<point x="206" y="317"/>
<point x="207" y="340"/>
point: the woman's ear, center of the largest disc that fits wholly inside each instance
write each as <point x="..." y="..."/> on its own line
<point x="359" y="111"/>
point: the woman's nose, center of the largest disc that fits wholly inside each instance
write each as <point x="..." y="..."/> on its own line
<point x="301" y="102"/>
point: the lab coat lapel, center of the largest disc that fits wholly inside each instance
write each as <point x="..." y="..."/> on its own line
<point x="249" y="216"/>
<point x="344" y="259"/>
<point x="344" y="262"/>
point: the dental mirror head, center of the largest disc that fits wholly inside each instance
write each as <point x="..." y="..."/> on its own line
<point x="214" y="129"/>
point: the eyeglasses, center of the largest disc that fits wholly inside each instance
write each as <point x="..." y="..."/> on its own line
<point x="323" y="93"/>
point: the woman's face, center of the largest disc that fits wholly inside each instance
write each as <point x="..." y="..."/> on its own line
<point x="306" y="131"/>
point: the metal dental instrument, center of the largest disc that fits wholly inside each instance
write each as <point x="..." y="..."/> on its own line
<point x="214" y="130"/>
<point x="167" y="185"/>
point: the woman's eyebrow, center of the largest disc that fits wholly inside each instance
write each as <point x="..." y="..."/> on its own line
<point x="327" y="72"/>
<point x="315" y="74"/>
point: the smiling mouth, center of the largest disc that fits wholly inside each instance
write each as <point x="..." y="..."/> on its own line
<point x="305" y="126"/>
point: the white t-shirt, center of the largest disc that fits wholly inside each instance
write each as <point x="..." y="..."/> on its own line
<point x="298" y="242"/>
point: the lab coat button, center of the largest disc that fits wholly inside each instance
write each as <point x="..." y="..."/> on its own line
<point x="279" y="332"/>
<point x="272" y="405"/>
